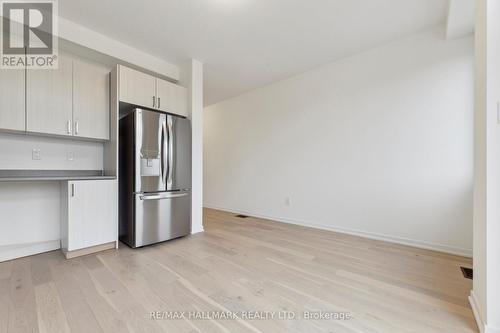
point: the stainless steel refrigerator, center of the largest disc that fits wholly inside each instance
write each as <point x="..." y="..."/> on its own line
<point x="155" y="177"/>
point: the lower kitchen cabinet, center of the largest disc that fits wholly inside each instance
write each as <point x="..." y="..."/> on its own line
<point x="89" y="216"/>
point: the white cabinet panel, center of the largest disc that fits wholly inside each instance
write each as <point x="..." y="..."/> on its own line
<point x="49" y="99"/>
<point x="89" y="214"/>
<point x="137" y="88"/>
<point x="90" y="101"/>
<point x="147" y="91"/>
<point x="172" y="98"/>
<point x="181" y="105"/>
<point x="12" y="89"/>
<point x="12" y="112"/>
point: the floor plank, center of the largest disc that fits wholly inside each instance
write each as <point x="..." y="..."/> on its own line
<point x="51" y="316"/>
<point x="23" y="310"/>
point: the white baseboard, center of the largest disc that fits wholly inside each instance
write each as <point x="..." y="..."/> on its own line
<point x="476" y="310"/>
<point x="478" y="315"/>
<point x="197" y="230"/>
<point x="9" y="252"/>
<point x="387" y="238"/>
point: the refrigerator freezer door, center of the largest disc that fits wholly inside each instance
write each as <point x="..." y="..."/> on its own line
<point x="150" y="151"/>
<point x="179" y="154"/>
<point x="161" y="216"/>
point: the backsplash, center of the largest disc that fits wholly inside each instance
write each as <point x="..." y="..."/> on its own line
<point x="23" y="151"/>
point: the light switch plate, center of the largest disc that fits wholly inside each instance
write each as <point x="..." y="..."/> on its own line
<point x="36" y="155"/>
<point x="71" y="156"/>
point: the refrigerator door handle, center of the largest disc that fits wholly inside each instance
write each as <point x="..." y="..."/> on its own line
<point x="170" y="152"/>
<point x="164" y="152"/>
<point x="163" y="196"/>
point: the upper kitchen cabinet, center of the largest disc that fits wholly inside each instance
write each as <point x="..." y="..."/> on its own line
<point x="147" y="91"/>
<point x="49" y="99"/>
<point x="137" y="88"/>
<point x="72" y="100"/>
<point x="12" y="114"/>
<point x="90" y="101"/>
<point x="171" y="97"/>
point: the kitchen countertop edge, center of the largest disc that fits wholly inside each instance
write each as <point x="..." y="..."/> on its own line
<point x="55" y="178"/>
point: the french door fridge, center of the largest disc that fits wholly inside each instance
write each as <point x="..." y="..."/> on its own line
<point x="155" y="177"/>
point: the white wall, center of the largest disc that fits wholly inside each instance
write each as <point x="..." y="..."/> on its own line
<point x="29" y="218"/>
<point x="478" y="294"/>
<point x="192" y="77"/>
<point x="378" y="144"/>
<point x="485" y="297"/>
<point x="16" y="152"/>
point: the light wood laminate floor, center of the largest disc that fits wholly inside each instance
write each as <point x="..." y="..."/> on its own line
<point x="240" y="265"/>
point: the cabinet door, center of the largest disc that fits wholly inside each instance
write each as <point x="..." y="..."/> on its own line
<point x="12" y="111"/>
<point x="90" y="101"/>
<point x="137" y="88"/>
<point x="172" y="98"/>
<point x="92" y="213"/>
<point x="49" y="99"/>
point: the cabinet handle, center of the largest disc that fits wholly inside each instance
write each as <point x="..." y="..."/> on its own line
<point x="154" y="101"/>
<point x="69" y="126"/>
<point x="77" y="128"/>
<point x="158" y="102"/>
<point x="73" y="192"/>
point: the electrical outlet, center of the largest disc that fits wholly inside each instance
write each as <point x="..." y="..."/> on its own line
<point x="71" y="156"/>
<point x="288" y="201"/>
<point x="36" y="155"/>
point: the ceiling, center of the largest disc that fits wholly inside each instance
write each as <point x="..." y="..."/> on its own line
<point x="246" y="44"/>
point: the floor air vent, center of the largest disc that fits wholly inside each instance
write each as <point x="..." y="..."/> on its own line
<point x="467" y="272"/>
<point x="241" y="216"/>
